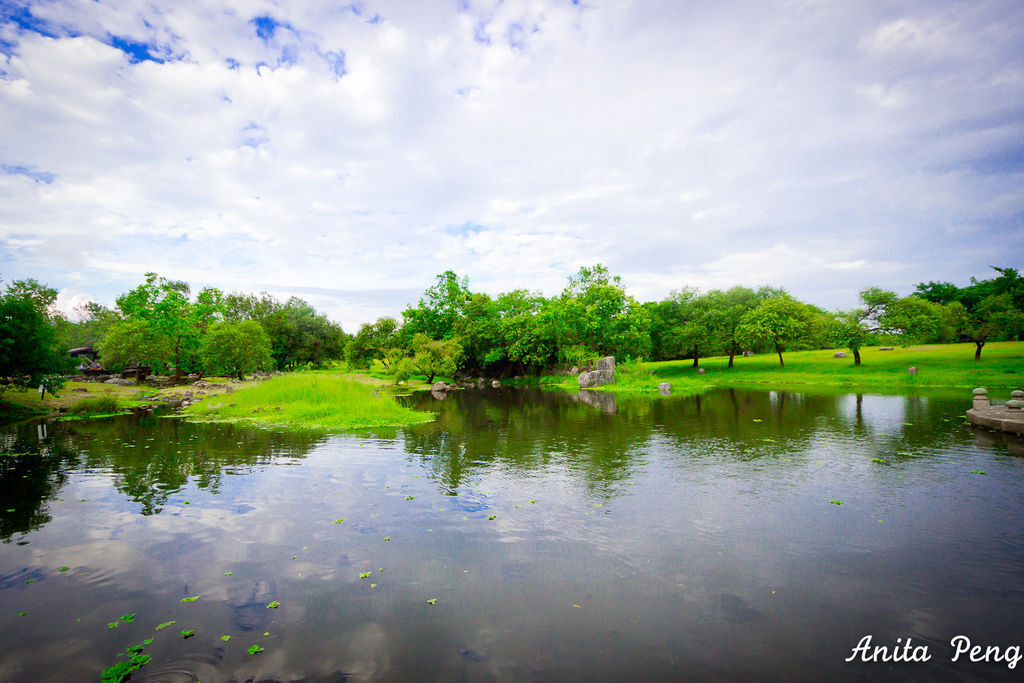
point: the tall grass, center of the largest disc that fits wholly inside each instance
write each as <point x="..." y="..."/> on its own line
<point x="308" y="401"/>
<point x="99" y="405"/>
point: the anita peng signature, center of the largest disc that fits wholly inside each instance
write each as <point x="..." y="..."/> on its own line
<point x="963" y="650"/>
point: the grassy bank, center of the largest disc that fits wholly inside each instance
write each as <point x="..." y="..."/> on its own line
<point x="951" y="366"/>
<point x="308" y="401"/>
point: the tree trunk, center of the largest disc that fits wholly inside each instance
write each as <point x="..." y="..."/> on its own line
<point x="731" y="354"/>
<point x="977" y="349"/>
<point x="430" y="378"/>
<point x="778" y="349"/>
<point x="696" y="355"/>
<point x="856" y="357"/>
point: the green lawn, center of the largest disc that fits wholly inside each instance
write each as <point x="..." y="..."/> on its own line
<point x="308" y="401"/>
<point x="951" y="366"/>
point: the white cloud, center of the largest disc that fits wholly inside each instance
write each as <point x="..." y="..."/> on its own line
<point x="814" y="146"/>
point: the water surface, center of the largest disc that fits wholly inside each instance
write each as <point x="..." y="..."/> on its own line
<point x="562" y="537"/>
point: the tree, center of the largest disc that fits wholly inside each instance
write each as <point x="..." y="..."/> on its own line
<point x="595" y="312"/>
<point x="236" y="348"/>
<point x="910" y="318"/>
<point x="28" y="353"/>
<point x="732" y="305"/>
<point x="373" y="341"/>
<point x="431" y="357"/>
<point x="439" y="308"/>
<point x="993" y="316"/>
<point x="134" y="341"/>
<point x="780" y="321"/>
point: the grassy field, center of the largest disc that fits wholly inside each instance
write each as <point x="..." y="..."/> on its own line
<point x="309" y="401"/>
<point x="950" y="366"/>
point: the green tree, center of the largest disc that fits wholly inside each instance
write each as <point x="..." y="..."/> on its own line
<point x="236" y="348"/>
<point x="373" y="341"/>
<point x="992" y="317"/>
<point x="439" y="308"/>
<point x="595" y="312"/>
<point x="431" y="357"/>
<point x="780" y="321"/>
<point x="29" y="356"/>
<point x="134" y="341"/>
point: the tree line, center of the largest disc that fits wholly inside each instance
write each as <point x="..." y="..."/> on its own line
<point x="452" y="329"/>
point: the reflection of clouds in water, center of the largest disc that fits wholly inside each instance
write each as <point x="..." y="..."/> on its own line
<point x="881" y="414"/>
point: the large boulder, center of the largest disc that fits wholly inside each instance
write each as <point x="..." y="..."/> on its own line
<point x="664" y="388"/>
<point x="606" y="363"/>
<point x="839" y="354"/>
<point x="595" y="378"/>
<point x="439" y="386"/>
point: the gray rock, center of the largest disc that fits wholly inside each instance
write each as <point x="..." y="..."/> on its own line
<point x="495" y="383"/>
<point x="607" y="363"/>
<point x="840" y="354"/>
<point x="912" y="370"/>
<point x="439" y="395"/>
<point x="664" y="388"/>
<point x="595" y="378"/>
<point x="439" y="386"/>
<point x="885" y="348"/>
<point x="574" y="370"/>
<point x="701" y="371"/>
<point x="120" y="382"/>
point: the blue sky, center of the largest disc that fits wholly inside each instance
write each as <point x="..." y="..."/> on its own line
<point x="348" y="153"/>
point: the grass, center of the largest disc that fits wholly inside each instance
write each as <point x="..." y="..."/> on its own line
<point x="308" y="401"/>
<point x="949" y="366"/>
<point x="100" y="405"/>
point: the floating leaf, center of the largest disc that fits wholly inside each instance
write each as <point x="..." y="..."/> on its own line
<point x="227" y="573"/>
<point x="21" y="614"/>
<point x="757" y="419"/>
<point x="432" y="601"/>
<point x="978" y="472"/>
<point x="339" y="520"/>
<point x="273" y="605"/>
<point x="836" y="501"/>
<point x="128" y="618"/>
<point x="225" y="638"/>
<point x="64" y="569"/>
<point x="387" y="538"/>
<point x="163" y="625"/>
<point x="363" y="575"/>
<point x="254" y="649"/>
<point x="30" y="581"/>
<point x="878" y="460"/>
<point x="187" y="633"/>
<point x="114" y="624"/>
<point x="373" y="585"/>
<point x="192" y="599"/>
<point x="409" y="497"/>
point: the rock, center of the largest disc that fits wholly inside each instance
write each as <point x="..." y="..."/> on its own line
<point x="840" y="354"/>
<point x="439" y="386"/>
<point x="912" y="370"/>
<point x="495" y="383"/>
<point x="278" y="408"/>
<point x="701" y="371"/>
<point x="664" y="388"/>
<point x="1018" y="394"/>
<point x="885" y="348"/>
<point x="257" y="409"/>
<point x="607" y="363"/>
<point x="229" y="390"/>
<point x="595" y="378"/>
<point x="176" y="403"/>
<point x="120" y="382"/>
<point x="439" y="395"/>
<point x="574" y="370"/>
<point x="980" y="392"/>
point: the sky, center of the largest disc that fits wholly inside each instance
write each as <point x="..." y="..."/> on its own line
<point x="348" y="153"/>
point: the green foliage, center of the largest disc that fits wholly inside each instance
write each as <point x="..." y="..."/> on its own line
<point x="235" y="348"/>
<point x="373" y="342"/>
<point x="780" y="321"/>
<point x="439" y="308"/>
<point x="134" y="341"/>
<point x="431" y="357"/>
<point x="28" y="345"/>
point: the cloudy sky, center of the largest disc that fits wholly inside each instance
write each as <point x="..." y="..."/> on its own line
<point x="348" y="153"/>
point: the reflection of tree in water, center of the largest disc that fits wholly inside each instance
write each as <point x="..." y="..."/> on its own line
<point x="32" y="472"/>
<point x="149" y="460"/>
<point x="531" y="429"/>
<point x="523" y="430"/>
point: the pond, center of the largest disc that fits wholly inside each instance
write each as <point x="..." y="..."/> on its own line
<point x="523" y="536"/>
